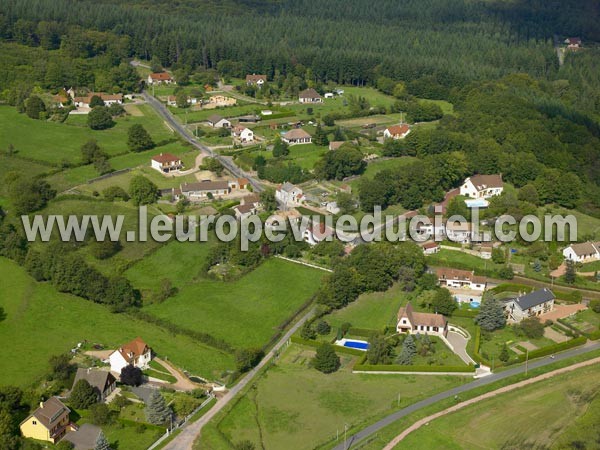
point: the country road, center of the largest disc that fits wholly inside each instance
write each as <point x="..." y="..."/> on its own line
<point x="185" y="134"/>
<point x="379" y="425"/>
<point x="185" y="439"/>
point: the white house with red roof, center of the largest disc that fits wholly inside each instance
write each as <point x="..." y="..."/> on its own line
<point x="135" y="353"/>
<point x="160" y="78"/>
<point x="396" y="132"/>
<point x="166" y="162"/>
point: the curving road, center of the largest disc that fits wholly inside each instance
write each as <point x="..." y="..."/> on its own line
<point x="377" y="426"/>
<point x="185" y="134"/>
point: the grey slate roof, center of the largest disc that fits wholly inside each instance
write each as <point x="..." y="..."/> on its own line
<point x="534" y="298"/>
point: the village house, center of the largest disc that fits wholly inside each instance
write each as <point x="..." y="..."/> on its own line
<point x="582" y="252"/>
<point x="289" y="195"/>
<point x="482" y="186"/>
<point x="108" y="99"/>
<point x="430" y="247"/>
<point x="102" y="381"/>
<point x="533" y="304"/>
<point x="160" y="78"/>
<point x="297" y="136"/>
<point x="239" y="183"/>
<point x="460" y="279"/>
<point x="166" y="162"/>
<point x="317" y="232"/>
<point x="411" y="322"/>
<point x="50" y="422"/>
<point x="256" y="80"/>
<point x="396" y="132"/>
<point x="244" y="211"/>
<point x="573" y="43"/>
<point x="242" y="134"/>
<point x="309" y="96"/>
<point x="458" y="231"/>
<point x="217" y="121"/>
<point x="334" y="145"/>
<point x="135" y="353"/>
<point x="202" y="190"/>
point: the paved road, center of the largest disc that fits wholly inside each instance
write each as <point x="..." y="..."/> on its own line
<point x="185" y="439"/>
<point x="185" y="134"/>
<point x="377" y="426"/>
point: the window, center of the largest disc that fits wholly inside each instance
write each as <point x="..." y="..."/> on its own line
<point x="34" y="422"/>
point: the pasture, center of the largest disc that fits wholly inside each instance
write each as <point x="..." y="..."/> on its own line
<point x="41" y="322"/>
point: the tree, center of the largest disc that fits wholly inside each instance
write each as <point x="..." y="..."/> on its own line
<point x="344" y="162"/>
<point x="131" y="375"/>
<point x="101" y="442"/>
<point x="570" y="274"/>
<point x="246" y="359"/>
<point x="506" y="273"/>
<point x="409" y="350"/>
<point x="34" y="107"/>
<point x="280" y="148"/>
<point x="498" y="256"/>
<point x="83" y="395"/>
<point x="532" y="327"/>
<point x="105" y="249"/>
<point x="212" y="164"/>
<point x="326" y="360"/>
<point x="138" y="138"/>
<point x="157" y="411"/>
<point x="491" y="315"/>
<point x="380" y="351"/>
<point x="28" y="194"/>
<point x="96" y="101"/>
<point x="100" y="414"/>
<point x="100" y="119"/>
<point x="142" y="191"/>
<point x="61" y="367"/>
<point x="91" y="151"/>
<point x="537" y="265"/>
<point x="181" y="99"/>
<point x="308" y="332"/>
<point x="323" y="327"/>
<point x="504" y="355"/>
<point x="320" y="137"/>
<point x="345" y="202"/>
<point x="442" y="302"/>
<point x="268" y="200"/>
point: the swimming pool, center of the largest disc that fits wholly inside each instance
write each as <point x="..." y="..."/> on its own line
<point x="477" y="203"/>
<point x="475" y="304"/>
<point x="353" y="343"/>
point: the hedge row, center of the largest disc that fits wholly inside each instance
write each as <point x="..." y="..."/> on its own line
<point x="316" y="344"/>
<point x="549" y="350"/>
<point x="400" y="368"/>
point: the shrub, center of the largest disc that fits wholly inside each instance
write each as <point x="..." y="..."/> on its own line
<point x="326" y="360"/>
<point x="323" y="327"/>
<point x="100" y="414"/>
<point x="131" y="376"/>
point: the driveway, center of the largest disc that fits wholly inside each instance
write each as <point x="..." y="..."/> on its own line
<point x="459" y="342"/>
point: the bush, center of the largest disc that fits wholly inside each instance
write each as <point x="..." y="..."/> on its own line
<point x="100" y="119"/>
<point x="113" y="192"/>
<point x="506" y="273"/>
<point x="105" y="249"/>
<point x="595" y="306"/>
<point x="326" y="360"/>
<point x="131" y="376"/>
<point x="323" y="327"/>
<point x="532" y="327"/>
<point x="100" y="414"/>
<point x="138" y="139"/>
<point x="246" y="359"/>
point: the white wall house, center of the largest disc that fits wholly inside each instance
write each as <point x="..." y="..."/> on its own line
<point x="459" y="279"/>
<point x="583" y="252"/>
<point x="289" y="195"/>
<point x="296" y="136"/>
<point x="411" y="322"/>
<point x="166" y="162"/>
<point x="196" y="192"/>
<point x="396" y="132"/>
<point x="217" y="121"/>
<point x="160" y="78"/>
<point x="482" y="186"/>
<point x="136" y="353"/>
<point x="309" y="96"/>
<point x="242" y="134"/>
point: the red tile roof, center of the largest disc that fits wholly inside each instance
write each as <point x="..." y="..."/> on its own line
<point x="160" y="76"/>
<point x="166" y="158"/>
<point x="398" y="130"/>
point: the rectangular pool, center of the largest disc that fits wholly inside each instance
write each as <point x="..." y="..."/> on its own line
<point x="353" y="343"/>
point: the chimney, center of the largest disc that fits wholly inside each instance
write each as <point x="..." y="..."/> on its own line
<point x="41" y="405"/>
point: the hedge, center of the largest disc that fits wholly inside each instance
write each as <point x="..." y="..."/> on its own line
<point x="549" y="350"/>
<point x="594" y="336"/>
<point x="316" y="344"/>
<point x="400" y="368"/>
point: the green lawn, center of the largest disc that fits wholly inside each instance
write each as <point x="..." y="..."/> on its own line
<point x="245" y="312"/>
<point x="458" y="259"/>
<point x="41" y="322"/>
<point x="295" y="406"/>
<point x="55" y="142"/>
<point x="587" y="321"/>
<point x="551" y="414"/>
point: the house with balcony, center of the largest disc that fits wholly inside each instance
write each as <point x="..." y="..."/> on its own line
<point x="529" y="305"/>
<point x="49" y="422"/>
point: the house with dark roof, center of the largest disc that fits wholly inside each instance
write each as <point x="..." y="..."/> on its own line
<point x="135" y="353"/>
<point x="50" y="422"/>
<point x="582" y="252"/>
<point x="217" y="121"/>
<point x="412" y="322"/>
<point x="289" y="195"/>
<point x="309" y="96"/>
<point x="533" y="304"/>
<point x="482" y="186"/>
<point x="102" y="381"/>
<point x="166" y="162"/>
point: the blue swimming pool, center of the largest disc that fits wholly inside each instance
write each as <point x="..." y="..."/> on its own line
<point x="477" y="203"/>
<point x="475" y="304"/>
<point x="360" y="345"/>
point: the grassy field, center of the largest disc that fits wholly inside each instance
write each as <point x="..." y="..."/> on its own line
<point x="245" y="312"/>
<point x="41" y="322"/>
<point x="295" y="406"/>
<point x="554" y="413"/>
<point x="452" y="258"/>
<point x="55" y="142"/>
